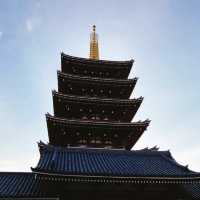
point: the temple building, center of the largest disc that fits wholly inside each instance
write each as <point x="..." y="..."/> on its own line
<point x="91" y="136"/>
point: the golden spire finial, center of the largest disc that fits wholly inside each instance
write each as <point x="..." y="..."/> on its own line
<point x="94" y="49"/>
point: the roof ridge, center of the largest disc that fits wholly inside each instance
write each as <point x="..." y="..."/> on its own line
<point x="172" y="160"/>
<point x="99" y="150"/>
<point x="82" y="122"/>
<point x="131" y="61"/>
<point x="16" y="172"/>
<point x="133" y="100"/>
<point x="96" y="78"/>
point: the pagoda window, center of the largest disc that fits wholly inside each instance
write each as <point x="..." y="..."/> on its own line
<point x="91" y="138"/>
<point x="69" y="85"/>
<point x="105" y="136"/>
<point x="82" y="140"/>
<point x="107" y="73"/>
<point x="97" y="117"/>
<point x="90" y="110"/>
<point x="89" y="134"/>
<point x="84" y="117"/>
<point x="109" y="91"/>
<point x="105" y="118"/>
<point x="64" y="133"/>
<point x="94" y="117"/>
<point x="98" y="140"/>
<point x="83" y="90"/>
<point x="108" y="142"/>
<point x="92" y="141"/>
<point x="85" y="71"/>
<point x="118" y="74"/>
<point x="121" y="92"/>
<point x="73" y="69"/>
<point x="77" y="133"/>
<point x="67" y="108"/>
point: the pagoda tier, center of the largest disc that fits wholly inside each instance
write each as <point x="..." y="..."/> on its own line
<point x="67" y="132"/>
<point x="92" y="108"/>
<point x="95" y="68"/>
<point x="96" y="87"/>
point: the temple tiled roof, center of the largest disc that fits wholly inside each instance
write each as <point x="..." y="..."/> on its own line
<point x="110" y="163"/>
<point x="113" y="125"/>
<point x="18" y="184"/>
<point x="99" y="68"/>
<point x="87" y="61"/>
<point x="97" y="80"/>
<point x="193" y="190"/>
<point x="28" y="185"/>
<point x="97" y="100"/>
<point x="72" y="107"/>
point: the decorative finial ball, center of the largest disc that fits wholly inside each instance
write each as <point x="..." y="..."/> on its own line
<point x="94" y="27"/>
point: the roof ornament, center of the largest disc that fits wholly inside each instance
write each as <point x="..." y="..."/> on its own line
<point x="94" y="49"/>
<point x="155" y="148"/>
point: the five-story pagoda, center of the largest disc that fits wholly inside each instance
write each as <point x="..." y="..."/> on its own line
<point x="91" y="134"/>
<point x="92" y="106"/>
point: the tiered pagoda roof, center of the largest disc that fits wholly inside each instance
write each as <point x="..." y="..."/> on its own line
<point x="70" y="132"/>
<point x="73" y="106"/>
<point x="92" y="105"/>
<point x="95" y="86"/>
<point x="91" y="135"/>
<point x="95" y="68"/>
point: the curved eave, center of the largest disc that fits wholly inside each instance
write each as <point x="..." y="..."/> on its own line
<point x="96" y="80"/>
<point x="51" y="157"/>
<point x="22" y="185"/>
<point x="48" y="175"/>
<point x="100" y="63"/>
<point x="90" y="100"/>
<point x="90" y="123"/>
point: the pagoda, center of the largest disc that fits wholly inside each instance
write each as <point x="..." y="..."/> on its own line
<point x="91" y="136"/>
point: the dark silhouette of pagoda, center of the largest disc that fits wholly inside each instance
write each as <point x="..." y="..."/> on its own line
<point x="91" y="135"/>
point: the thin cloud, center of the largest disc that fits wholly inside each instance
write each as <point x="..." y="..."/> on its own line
<point x="29" y="25"/>
<point x="1" y="34"/>
<point x="38" y="4"/>
<point x="32" y="23"/>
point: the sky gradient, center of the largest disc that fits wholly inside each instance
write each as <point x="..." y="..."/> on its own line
<point x="161" y="35"/>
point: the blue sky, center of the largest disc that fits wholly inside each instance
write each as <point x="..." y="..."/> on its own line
<point x="161" y="35"/>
